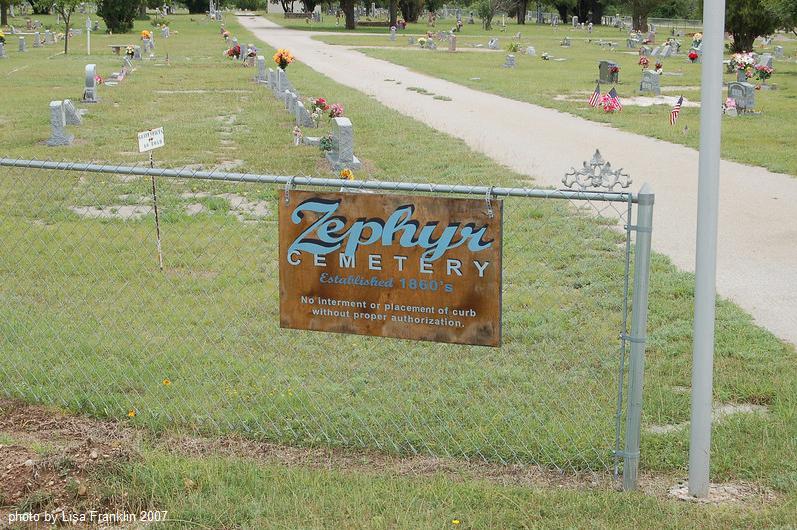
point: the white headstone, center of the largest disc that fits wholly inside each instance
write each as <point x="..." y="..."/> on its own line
<point x="452" y="43"/>
<point x="261" y="69"/>
<point x="531" y="51"/>
<point x="71" y="114"/>
<point x="342" y="154"/>
<point x="392" y="34"/>
<point x="492" y="44"/>
<point x="2" y="51"/>
<point x="22" y="46"/>
<point x="37" y="40"/>
<point x="90" y="90"/>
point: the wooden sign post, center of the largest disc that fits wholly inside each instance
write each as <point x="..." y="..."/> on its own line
<point x="411" y="267"/>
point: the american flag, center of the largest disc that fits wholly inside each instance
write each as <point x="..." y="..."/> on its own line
<point x="615" y="99"/>
<point x="676" y="110"/>
<point x="596" y="96"/>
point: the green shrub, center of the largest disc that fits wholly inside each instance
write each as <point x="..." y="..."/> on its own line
<point x="118" y="14"/>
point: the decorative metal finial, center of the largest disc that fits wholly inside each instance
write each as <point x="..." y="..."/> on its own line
<point x="596" y="173"/>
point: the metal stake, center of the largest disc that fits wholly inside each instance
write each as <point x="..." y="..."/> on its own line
<point x="639" y="324"/>
<point x="157" y="220"/>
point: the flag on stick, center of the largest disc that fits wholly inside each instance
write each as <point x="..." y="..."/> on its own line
<point x="676" y="110"/>
<point x="615" y="99"/>
<point x="596" y="96"/>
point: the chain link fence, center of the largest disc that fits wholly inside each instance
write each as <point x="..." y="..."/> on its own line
<point x="90" y="322"/>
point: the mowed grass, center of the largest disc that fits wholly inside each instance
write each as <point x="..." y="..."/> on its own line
<point x="764" y="139"/>
<point x="89" y="322"/>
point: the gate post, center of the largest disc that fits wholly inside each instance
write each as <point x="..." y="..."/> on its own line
<point x="639" y="322"/>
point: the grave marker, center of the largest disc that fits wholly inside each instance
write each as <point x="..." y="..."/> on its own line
<point x="22" y="47"/>
<point x="531" y="51"/>
<point x="493" y="44"/>
<point x="37" y="40"/>
<point x="90" y="90"/>
<point x="565" y="42"/>
<point x="342" y="154"/>
<point x="650" y="82"/>
<point x="58" y="134"/>
<point x="605" y="74"/>
<point x="510" y="61"/>
<point x="765" y="59"/>
<point x="261" y="69"/>
<point x="743" y="94"/>
<point x="72" y="116"/>
<point x="48" y="37"/>
<point x="452" y="43"/>
<point x="779" y="52"/>
<point x="393" y="34"/>
<point x="303" y="116"/>
<point x="137" y="53"/>
<point x="2" y="51"/>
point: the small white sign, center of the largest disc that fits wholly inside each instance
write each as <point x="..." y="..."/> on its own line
<point x="149" y="140"/>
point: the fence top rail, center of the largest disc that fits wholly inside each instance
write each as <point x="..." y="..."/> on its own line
<point x="493" y="191"/>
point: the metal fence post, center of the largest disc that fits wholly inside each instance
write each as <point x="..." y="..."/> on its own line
<point x="639" y="322"/>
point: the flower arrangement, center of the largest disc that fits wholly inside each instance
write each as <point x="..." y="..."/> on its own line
<point x="697" y="38"/>
<point x="763" y="72"/>
<point x="325" y="144"/>
<point x="608" y="103"/>
<point x="319" y="104"/>
<point x="513" y="47"/>
<point x="146" y="34"/>
<point x="335" y="110"/>
<point x="347" y="174"/>
<point x="98" y="79"/>
<point x="545" y="56"/>
<point x="225" y="34"/>
<point x="644" y="61"/>
<point x="283" y="58"/>
<point x="297" y="136"/>
<point x="130" y="51"/>
<point x="658" y="68"/>
<point x="235" y="51"/>
<point x="742" y="61"/>
<point x="693" y="55"/>
<point x="614" y="70"/>
<point x="422" y="42"/>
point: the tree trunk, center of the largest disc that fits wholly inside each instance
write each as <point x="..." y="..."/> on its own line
<point x="393" y="12"/>
<point x="522" y="7"/>
<point x="562" y="9"/>
<point x="742" y="42"/>
<point x="66" y="34"/>
<point x="3" y="13"/>
<point x="348" y="10"/>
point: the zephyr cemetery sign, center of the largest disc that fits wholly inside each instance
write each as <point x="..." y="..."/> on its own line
<point x="401" y="266"/>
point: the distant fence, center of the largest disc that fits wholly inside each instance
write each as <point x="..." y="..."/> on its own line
<point x="89" y="322"/>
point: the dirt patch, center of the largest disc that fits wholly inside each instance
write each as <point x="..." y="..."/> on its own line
<point x="47" y="457"/>
<point x="740" y="493"/>
<point x="115" y="211"/>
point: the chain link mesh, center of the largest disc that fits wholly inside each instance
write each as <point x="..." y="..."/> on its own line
<point x="90" y="323"/>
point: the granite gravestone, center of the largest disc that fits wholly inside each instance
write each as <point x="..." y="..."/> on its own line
<point x="2" y="51"/>
<point x="393" y="34"/>
<point x="650" y="82"/>
<point x="342" y="154"/>
<point x="743" y="94"/>
<point x="452" y="43"/>
<point x="261" y="69"/>
<point x="605" y="74"/>
<point x="492" y="44"/>
<point x="49" y="37"/>
<point x="779" y="52"/>
<point x="37" y="40"/>
<point x="58" y="134"/>
<point x="22" y="46"/>
<point x="72" y="116"/>
<point x="765" y="59"/>
<point x="510" y="61"/>
<point x="303" y="116"/>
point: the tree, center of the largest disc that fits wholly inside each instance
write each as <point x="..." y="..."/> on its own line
<point x="786" y="11"/>
<point x="393" y="12"/>
<point x="747" y="19"/>
<point x="347" y="6"/>
<point x="564" y="8"/>
<point x="39" y="8"/>
<point x="66" y="9"/>
<point x="522" y="7"/>
<point x="287" y="5"/>
<point x="309" y="5"/>
<point x="4" y="13"/>
<point x="640" y="9"/>
<point x="118" y="14"/>
<point x="487" y="9"/>
<point x="195" y="6"/>
<point x="411" y="9"/>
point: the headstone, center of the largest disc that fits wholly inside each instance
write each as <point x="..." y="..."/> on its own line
<point x="765" y="59"/>
<point x="645" y="50"/>
<point x="493" y="44"/>
<point x="342" y="154"/>
<point x="651" y="36"/>
<point x="58" y="134"/>
<point x="566" y="42"/>
<point x="272" y="79"/>
<point x="71" y="114"/>
<point x="165" y="32"/>
<point x="631" y="43"/>
<point x="575" y="21"/>
<point x="292" y="101"/>
<point x="531" y="51"/>
<point x="650" y="82"/>
<point x="261" y="69"/>
<point x="431" y="45"/>
<point x="127" y="64"/>
<point x="656" y="51"/>
<point x="303" y="116"/>
<point x="666" y="51"/>
<point x="137" y="53"/>
<point x="741" y="76"/>
<point x="605" y="72"/>
<point x="90" y="90"/>
<point x="743" y="94"/>
<point x="510" y="61"/>
<point x="452" y="43"/>
<point x="411" y="41"/>
<point x="37" y="40"/>
<point x="779" y="52"/>
<point x="2" y="51"/>
<point x="22" y="46"/>
<point x="393" y="34"/>
<point x="48" y="37"/>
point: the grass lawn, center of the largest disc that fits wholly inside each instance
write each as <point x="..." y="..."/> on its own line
<point x="88" y="322"/>
<point x="763" y="140"/>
